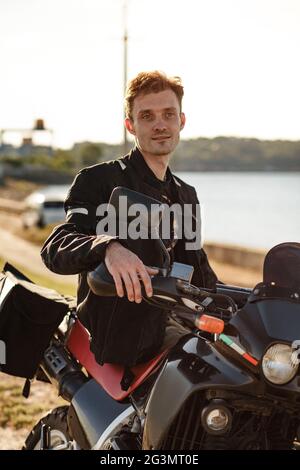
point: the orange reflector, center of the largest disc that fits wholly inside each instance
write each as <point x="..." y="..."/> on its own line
<point x="210" y="324"/>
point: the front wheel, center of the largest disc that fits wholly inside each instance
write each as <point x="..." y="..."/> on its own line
<point x="59" y="438"/>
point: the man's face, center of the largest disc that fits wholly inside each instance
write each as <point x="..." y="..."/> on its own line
<point x="156" y="122"/>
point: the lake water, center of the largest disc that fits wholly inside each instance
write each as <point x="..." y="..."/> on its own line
<point x="255" y="210"/>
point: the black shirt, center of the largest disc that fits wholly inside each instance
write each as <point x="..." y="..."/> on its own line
<point x="168" y="194"/>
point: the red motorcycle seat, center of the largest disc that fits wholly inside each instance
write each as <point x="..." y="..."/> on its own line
<point x="109" y="376"/>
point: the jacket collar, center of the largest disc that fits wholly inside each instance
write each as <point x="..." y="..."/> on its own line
<point x="146" y="174"/>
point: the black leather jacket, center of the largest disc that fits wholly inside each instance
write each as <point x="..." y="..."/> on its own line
<point x="122" y="332"/>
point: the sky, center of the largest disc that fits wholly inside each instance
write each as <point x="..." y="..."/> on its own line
<point x="62" y="60"/>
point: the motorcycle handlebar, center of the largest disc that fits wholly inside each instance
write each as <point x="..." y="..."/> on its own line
<point x="166" y="289"/>
<point x="102" y="283"/>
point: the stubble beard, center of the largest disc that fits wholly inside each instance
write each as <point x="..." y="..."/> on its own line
<point x="165" y="150"/>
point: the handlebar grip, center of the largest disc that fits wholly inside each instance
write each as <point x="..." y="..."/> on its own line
<point x="101" y="281"/>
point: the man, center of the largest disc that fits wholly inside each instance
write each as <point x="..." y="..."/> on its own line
<point x="124" y="330"/>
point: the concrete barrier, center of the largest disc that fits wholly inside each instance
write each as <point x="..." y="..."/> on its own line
<point x="236" y="255"/>
<point x="37" y="174"/>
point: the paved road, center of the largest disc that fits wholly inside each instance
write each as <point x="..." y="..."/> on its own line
<point x="16" y="250"/>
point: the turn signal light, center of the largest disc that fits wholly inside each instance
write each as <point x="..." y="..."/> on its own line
<point x="209" y="324"/>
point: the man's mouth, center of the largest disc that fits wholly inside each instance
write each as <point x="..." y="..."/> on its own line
<point x="160" y="138"/>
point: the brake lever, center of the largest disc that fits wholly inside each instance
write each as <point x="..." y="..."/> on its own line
<point x="207" y="297"/>
<point x="189" y="289"/>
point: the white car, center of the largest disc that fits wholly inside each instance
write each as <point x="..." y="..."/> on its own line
<point x="45" y="206"/>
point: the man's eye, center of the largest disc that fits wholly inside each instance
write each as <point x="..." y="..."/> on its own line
<point x="146" y="117"/>
<point x="170" y="115"/>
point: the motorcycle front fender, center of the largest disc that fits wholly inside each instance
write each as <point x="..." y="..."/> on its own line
<point x="195" y="365"/>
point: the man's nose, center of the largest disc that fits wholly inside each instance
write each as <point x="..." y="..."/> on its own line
<point x="159" y="125"/>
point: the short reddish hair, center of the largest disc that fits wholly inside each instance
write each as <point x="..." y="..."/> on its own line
<point x="151" y="82"/>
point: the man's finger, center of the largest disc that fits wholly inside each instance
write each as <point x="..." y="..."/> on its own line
<point x="136" y="286"/>
<point x="146" y="281"/>
<point x="128" y="286"/>
<point x="118" y="284"/>
<point x="151" y="270"/>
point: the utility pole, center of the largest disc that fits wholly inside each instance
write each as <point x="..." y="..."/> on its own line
<point x="125" y="47"/>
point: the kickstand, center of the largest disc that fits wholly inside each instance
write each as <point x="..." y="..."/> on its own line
<point x="45" y="437"/>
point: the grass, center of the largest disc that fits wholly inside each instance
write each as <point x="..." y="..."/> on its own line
<point x="18" y="412"/>
<point x="61" y="287"/>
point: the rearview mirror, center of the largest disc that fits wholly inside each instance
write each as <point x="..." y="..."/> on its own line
<point x="131" y="205"/>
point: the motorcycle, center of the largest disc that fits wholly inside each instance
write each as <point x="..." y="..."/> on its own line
<point x="233" y="382"/>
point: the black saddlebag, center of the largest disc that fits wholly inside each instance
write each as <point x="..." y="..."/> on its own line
<point x="29" y="315"/>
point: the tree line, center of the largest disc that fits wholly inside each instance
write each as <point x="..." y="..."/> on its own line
<point x="201" y="154"/>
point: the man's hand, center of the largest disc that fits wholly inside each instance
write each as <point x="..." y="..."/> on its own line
<point x="125" y="266"/>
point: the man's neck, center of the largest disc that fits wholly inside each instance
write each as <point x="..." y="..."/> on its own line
<point x="158" y="164"/>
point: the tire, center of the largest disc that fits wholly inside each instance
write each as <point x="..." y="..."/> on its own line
<point x="59" y="435"/>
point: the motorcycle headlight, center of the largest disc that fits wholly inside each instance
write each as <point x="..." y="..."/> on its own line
<point x="279" y="364"/>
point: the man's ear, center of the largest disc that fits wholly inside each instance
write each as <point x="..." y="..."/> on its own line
<point x="129" y="126"/>
<point x="182" y="121"/>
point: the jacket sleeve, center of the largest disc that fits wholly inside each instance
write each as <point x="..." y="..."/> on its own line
<point x="74" y="247"/>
